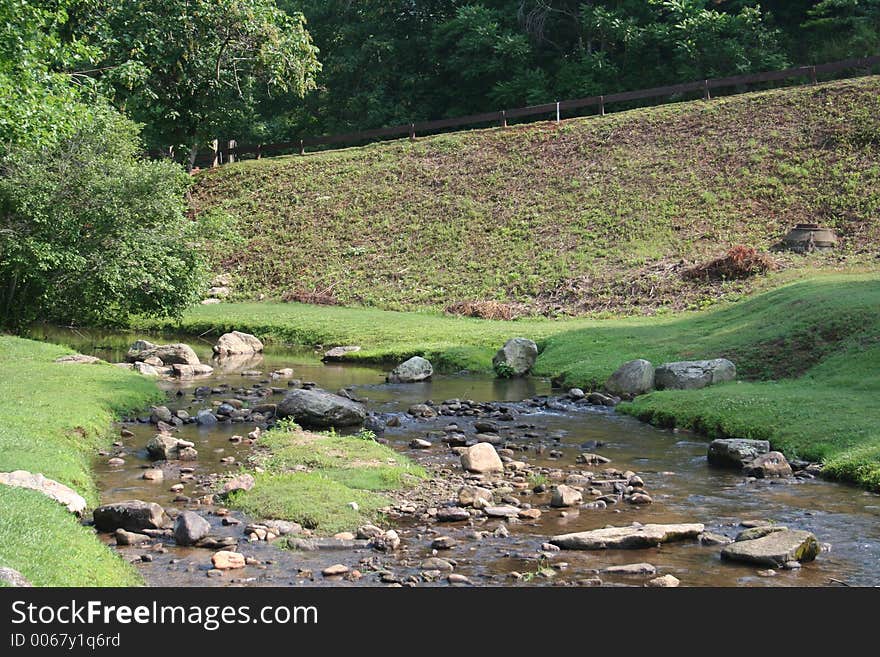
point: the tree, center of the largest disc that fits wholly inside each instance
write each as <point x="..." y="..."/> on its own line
<point x="89" y="233"/>
<point x="845" y="28"/>
<point x="191" y="70"/>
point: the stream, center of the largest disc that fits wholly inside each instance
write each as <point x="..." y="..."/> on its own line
<point x="671" y="462"/>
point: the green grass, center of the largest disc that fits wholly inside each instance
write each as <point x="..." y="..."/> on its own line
<point x="342" y="469"/>
<point x="53" y="417"/>
<point x="592" y="215"/>
<point x="808" y="352"/>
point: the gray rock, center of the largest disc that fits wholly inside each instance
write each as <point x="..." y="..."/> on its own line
<point x="169" y="354"/>
<point x="145" y="369"/>
<point x="339" y="353"/>
<point x="243" y="481"/>
<point x="766" y="466"/>
<point x="130" y="538"/>
<point x="190" y="527"/>
<point x="160" y="414"/>
<point x="163" y="446"/>
<point x="190" y="371"/>
<point x="78" y="359"/>
<point x="73" y="501"/>
<point x="468" y="495"/>
<point x="206" y="418"/>
<point x="236" y="343"/>
<point x="411" y="371"/>
<point x="775" y="549"/>
<point x="754" y="533"/>
<point x="131" y="515"/>
<point x="664" y="582"/>
<point x="481" y="458"/>
<point x="566" y="496"/>
<point x="631" y="569"/>
<point x="693" y="374"/>
<point x="516" y="357"/>
<point x="318" y="408"/>
<point x="13" y="578"/>
<point x="635" y="536"/>
<point x="633" y="378"/>
<point x="735" y="452"/>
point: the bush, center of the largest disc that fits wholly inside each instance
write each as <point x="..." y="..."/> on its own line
<point x="89" y="233"/>
<point x="739" y="262"/>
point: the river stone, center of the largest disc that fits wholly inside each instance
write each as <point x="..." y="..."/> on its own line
<point x="243" y="482"/>
<point x="504" y="511"/>
<point x="664" y="582"/>
<point x="765" y="466"/>
<point x="631" y="569"/>
<point x="13" y="578"/>
<point x="436" y="563"/>
<point x="339" y="353"/>
<point x="412" y="371"/>
<point x="633" y="378"/>
<point x="336" y="570"/>
<point x="693" y="374"/>
<point x="468" y="495"/>
<point x="226" y="560"/>
<point x="165" y="447"/>
<point x="169" y="354"/>
<point x="516" y="357"/>
<point x="145" y="369"/>
<point x="182" y="371"/>
<point x="774" y="550"/>
<point x="481" y="458"/>
<point x="131" y="515"/>
<point x="566" y="496"/>
<point x="754" y="533"/>
<point x="160" y="414"/>
<point x="735" y="452"/>
<point x="189" y="527"/>
<point x="78" y="359"/>
<point x="318" y="408"/>
<point x="236" y="342"/>
<point x="65" y="496"/>
<point x="635" y="536"/>
<point x="130" y="538"/>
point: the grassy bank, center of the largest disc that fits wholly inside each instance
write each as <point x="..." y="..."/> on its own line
<point x="313" y="478"/>
<point x="807" y="351"/>
<point x="52" y="419"/>
<point x="590" y="215"/>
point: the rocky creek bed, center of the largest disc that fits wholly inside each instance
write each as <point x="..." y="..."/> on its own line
<point x="570" y="467"/>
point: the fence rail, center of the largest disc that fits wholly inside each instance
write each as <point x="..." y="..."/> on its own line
<point x="231" y="151"/>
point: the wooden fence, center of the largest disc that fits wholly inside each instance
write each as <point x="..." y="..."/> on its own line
<point x="231" y="151"/>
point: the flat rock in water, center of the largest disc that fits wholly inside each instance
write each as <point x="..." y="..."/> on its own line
<point x="48" y="487"/>
<point x="735" y="452"/>
<point x="501" y="511"/>
<point x="315" y="544"/>
<point x="775" y="549"/>
<point x="319" y="408"/>
<point x="627" y="537"/>
<point x="631" y="569"/>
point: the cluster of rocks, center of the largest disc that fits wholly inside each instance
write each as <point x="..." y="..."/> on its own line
<point x="168" y="360"/>
<point x="640" y="376"/>
<point x="755" y="459"/>
<point x="221" y="288"/>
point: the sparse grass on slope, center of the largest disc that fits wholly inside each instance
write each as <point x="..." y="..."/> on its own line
<point x="339" y="470"/>
<point x="52" y="419"/>
<point x="596" y="214"/>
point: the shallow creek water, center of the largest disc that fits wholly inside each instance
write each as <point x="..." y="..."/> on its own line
<point x="672" y="463"/>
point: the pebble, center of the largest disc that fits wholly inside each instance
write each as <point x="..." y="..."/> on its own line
<point x="336" y="570"/>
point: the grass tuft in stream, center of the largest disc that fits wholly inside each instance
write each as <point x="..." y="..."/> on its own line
<point x="313" y="478"/>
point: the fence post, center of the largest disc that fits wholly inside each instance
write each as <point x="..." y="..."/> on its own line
<point x="302" y="147"/>
<point x="813" y="79"/>
<point x="412" y="131"/>
<point x="557" y="112"/>
<point x="601" y="105"/>
<point x="503" y="118"/>
<point x="706" y="94"/>
<point x="230" y="155"/>
<point x="259" y="151"/>
<point x="215" y="147"/>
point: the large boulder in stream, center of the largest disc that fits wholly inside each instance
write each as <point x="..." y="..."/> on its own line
<point x="633" y="378"/>
<point x="190" y="527"/>
<point x="482" y="459"/>
<point x="693" y="374"/>
<point x="516" y="358"/>
<point x="166" y="447"/>
<point x="237" y="343"/>
<point x="775" y="549"/>
<point x="131" y="515"/>
<point x="168" y="354"/>
<point x="735" y="452"/>
<point x="411" y="371"/>
<point x="321" y="409"/>
<point x="767" y="466"/>
<point x="634" y="536"/>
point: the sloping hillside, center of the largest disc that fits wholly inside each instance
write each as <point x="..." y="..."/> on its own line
<point x="590" y="215"/>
